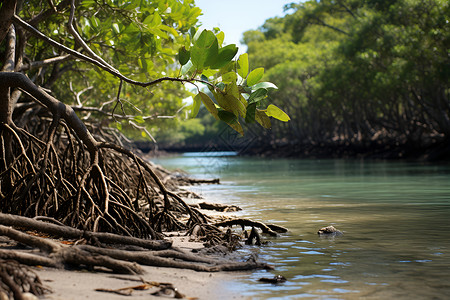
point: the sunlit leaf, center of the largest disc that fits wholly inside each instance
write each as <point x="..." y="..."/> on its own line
<point x="255" y="76"/>
<point x="229" y="77"/>
<point x="264" y="85"/>
<point x="139" y="119"/>
<point x="277" y="113"/>
<point x="220" y="37"/>
<point x="243" y="65"/>
<point x="195" y="107"/>
<point x="230" y="103"/>
<point x="116" y="27"/>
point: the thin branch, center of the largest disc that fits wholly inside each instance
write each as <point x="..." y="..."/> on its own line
<point x="83" y="44"/>
<point x="45" y="62"/>
<point x="118" y="100"/>
<point x="347" y="9"/>
<point x="49" y="12"/>
<point x="320" y="22"/>
<point x="18" y="21"/>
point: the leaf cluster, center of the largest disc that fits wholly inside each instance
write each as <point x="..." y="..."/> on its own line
<point x="233" y="92"/>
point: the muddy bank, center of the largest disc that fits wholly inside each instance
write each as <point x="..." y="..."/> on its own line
<point x="371" y="150"/>
<point x="379" y="149"/>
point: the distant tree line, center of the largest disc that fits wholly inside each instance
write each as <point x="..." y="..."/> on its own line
<point x="359" y="75"/>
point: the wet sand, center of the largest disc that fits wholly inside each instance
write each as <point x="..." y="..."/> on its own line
<point x="74" y="284"/>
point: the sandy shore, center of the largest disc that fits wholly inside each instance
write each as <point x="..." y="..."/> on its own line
<point x="74" y="285"/>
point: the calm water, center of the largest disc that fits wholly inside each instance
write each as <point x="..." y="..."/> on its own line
<point x="395" y="217"/>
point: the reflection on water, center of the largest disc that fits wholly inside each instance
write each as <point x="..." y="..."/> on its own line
<point x="394" y="215"/>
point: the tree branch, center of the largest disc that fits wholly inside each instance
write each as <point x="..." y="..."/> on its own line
<point x="19" y="80"/>
<point x="45" y="62"/>
<point x="18" y="21"/>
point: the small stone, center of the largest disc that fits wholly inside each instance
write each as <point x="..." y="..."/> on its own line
<point x="275" y="280"/>
<point x="329" y="230"/>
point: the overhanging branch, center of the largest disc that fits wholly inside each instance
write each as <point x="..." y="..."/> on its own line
<point x="18" y="21"/>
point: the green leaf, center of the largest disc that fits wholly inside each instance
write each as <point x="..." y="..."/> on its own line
<point x="205" y="50"/>
<point x="220" y="37"/>
<point x="251" y="112"/>
<point x="209" y="104"/>
<point x="116" y="28"/>
<point x="229" y="77"/>
<point x="255" y="76"/>
<point x="275" y="112"/>
<point x="192" y="33"/>
<point x="208" y="72"/>
<point x="169" y="29"/>
<point x="225" y="55"/>
<point x="187" y="68"/>
<point x="183" y="55"/>
<point x="264" y="85"/>
<point x="243" y="65"/>
<point x="119" y="125"/>
<point x="230" y="103"/>
<point x="195" y="107"/>
<point x="257" y="96"/>
<point x="263" y="119"/>
<point x="231" y="120"/>
<point x="226" y="116"/>
<point x="139" y="119"/>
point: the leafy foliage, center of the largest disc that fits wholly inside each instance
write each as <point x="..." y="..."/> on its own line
<point x="231" y="89"/>
<point x="144" y="40"/>
<point x="355" y="72"/>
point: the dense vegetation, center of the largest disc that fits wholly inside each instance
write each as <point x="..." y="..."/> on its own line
<point x="76" y="75"/>
<point x="359" y="76"/>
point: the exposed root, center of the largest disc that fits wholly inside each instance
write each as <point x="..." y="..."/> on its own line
<point x="105" y="189"/>
<point x="108" y="203"/>
<point x="219" y="207"/>
<point x="245" y="222"/>
<point x="58" y="255"/>
<point x="17" y="279"/>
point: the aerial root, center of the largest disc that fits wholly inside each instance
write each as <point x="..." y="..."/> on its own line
<point x="104" y="189"/>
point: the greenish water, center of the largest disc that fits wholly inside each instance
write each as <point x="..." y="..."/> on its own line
<point x="395" y="217"/>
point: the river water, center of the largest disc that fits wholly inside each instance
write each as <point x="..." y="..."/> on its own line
<point x="395" y="216"/>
